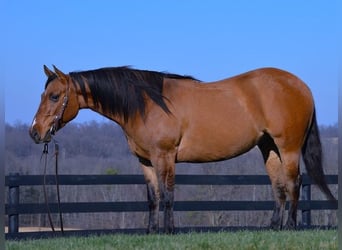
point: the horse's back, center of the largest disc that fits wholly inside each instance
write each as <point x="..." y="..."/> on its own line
<point x="271" y="96"/>
<point x="226" y="118"/>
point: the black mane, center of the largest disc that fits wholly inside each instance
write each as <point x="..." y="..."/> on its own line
<point x="121" y="90"/>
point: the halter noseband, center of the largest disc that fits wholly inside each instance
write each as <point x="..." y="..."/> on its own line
<point x="58" y="118"/>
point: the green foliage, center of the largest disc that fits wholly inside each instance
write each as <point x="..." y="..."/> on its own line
<point x="111" y="171"/>
<point x="224" y="240"/>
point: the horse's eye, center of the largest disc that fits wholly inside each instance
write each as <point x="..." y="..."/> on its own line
<point x="54" y="97"/>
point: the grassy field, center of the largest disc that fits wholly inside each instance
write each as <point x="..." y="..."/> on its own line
<point x="302" y="240"/>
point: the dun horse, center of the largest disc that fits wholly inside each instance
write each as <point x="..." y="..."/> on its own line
<point x="169" y="118"/>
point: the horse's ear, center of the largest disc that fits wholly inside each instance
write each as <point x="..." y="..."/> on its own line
<point x="60" y="74"/>
<point x="48" y="72"/>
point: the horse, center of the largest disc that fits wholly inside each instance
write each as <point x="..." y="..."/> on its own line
<point x="170" y="118"/>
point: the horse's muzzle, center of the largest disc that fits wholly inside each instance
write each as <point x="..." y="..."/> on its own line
<point x="38" y="138"/>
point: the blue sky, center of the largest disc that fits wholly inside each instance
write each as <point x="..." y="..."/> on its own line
<point x="210" y="40"/>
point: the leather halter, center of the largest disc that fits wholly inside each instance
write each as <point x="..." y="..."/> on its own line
<point x="58" y="118"/>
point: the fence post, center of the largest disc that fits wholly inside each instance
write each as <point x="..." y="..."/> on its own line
<point x="13" y="201"/>
<point x="306" y="213"/>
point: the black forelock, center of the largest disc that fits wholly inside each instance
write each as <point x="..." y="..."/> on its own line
<point x="50" y="79"/>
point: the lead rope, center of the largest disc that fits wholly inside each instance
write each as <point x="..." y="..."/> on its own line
<point x="45" y="153"/>
<point x="57" y="185"/>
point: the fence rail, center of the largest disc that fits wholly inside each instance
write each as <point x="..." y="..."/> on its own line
<point x="13" y="208"/>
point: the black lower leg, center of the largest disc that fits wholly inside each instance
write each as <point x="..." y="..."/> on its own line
<point x="153" y="205"/>
<point x="277" y="218"/>
<point x="278" y="213"/>
<point x="168" y="212"/>
<point x="292" y="215"/>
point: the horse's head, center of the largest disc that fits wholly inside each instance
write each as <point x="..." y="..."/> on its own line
<point x="58" y="106"/>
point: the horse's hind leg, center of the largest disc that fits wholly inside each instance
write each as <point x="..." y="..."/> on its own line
<point x="273" y="164"/>
<point x="282" y="165"/>
<point x="293" y="182"/>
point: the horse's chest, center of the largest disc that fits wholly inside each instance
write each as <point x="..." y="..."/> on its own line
<point x="137" y="149"/>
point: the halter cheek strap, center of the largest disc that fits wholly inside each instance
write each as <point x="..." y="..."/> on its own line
<point x="58" y="118"/>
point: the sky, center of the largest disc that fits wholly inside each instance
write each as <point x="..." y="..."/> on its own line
<point x="209" y="40"/>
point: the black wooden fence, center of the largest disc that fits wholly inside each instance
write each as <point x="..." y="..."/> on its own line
<point x="13" y="208"/>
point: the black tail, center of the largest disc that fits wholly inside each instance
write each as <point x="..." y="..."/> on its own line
<point x="312" y="156"/>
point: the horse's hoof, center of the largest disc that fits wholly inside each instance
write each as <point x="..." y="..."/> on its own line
<point x="169" y="231"/>
<point x="290" y="226"/>
<point x="152" y="231"/>
<point x="276" y="226"/>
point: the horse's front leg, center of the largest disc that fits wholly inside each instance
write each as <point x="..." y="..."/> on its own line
<point x="168" y="199"/>
<point x="153" y="197"/>
<point x="164" y="165"/>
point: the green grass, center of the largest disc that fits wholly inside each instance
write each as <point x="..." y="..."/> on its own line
<point x="324" y="239"/>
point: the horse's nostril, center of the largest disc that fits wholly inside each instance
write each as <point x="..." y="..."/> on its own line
<point x="35" y="135"/>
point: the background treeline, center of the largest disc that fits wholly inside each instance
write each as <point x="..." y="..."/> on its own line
<point x="101" y="148"/>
